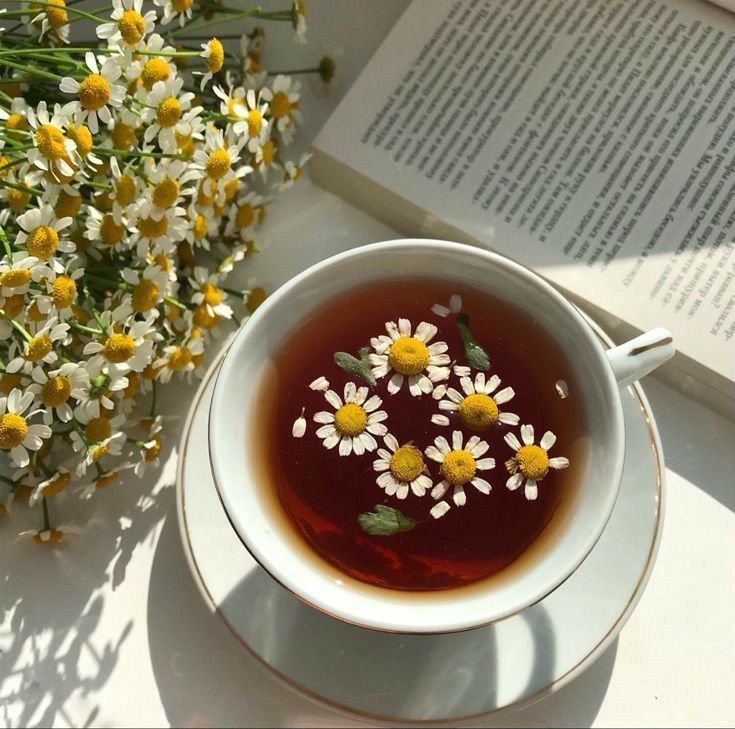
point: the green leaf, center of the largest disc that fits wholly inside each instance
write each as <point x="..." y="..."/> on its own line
<point x="354" y="366"/>
<point x="385" y="521"/>
<point x="476" y="355"/>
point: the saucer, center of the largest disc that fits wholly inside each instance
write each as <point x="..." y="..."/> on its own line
<point x="414" y="678"/>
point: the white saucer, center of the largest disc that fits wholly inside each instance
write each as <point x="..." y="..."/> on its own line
<point x="435" y="677"/>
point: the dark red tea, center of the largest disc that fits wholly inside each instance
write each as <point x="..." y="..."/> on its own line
<point x="464" y="534"/>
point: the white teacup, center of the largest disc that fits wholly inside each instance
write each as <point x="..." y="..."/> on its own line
<point x="266" y="532"/>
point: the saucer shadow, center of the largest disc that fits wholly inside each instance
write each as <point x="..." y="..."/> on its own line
<point x="206" y="677"/>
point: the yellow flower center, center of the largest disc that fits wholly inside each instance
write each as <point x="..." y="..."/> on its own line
<point x="212" y="294"/>
<point x="218" y="164"/>
<point x="478" y="411"/>
<point x="162" y="261"/>
<point x="152" y="453"/>
<point x="458" y="467"/>
<point x="110" y="231"/>
<point x="406" y="463"/>
<point x="56" y="13"/>
<point x="94" y="92"/>
<point x="13" y="429"/>
<point x="280" y="105"/>
<point x="181" y="6"/>
<point x="245" y="216"/>
<point x="151" y="228"/>
<point x="57" y="484"/>
<point x="199" y="226"/>
<point x="202" y="318"/>
<point x="216" y="56"/>
<point x="118" y="348"/>
<point x="83" y="138"/>
<point x="231" y="187"/>
<point x="269" y="150"/>
<point x="97" y="429"/>
<point x="56" y="391"/>
<point x="532" y="461"/>
<point x="125" y="190"/>
<point x="50" y="141"/>
<point x="67" y="206"/>
<point x="155" y="69"/>
<point x="168" y="112"/>
<point x="133" y="385"/>
<point x="9" y="382"/>
<point x="123" y="135"/>
<point x="15" y="277"/>
<point x="145" y="296"/>
<point x="179" y="358"/>
<point x="16" y="122"/>
<point x="42" y="242"/>
<point x="14" y="304"/>
<point x="34" y="313"/>
<point x="64" y="291"/>
<point x="166" y="193"/>
<point x="38" y="348"/>
<point x="131" y="26"/>
<point x="184" y="142"/>
<point x="256" y="297"/>
<point x="350" y="419"/>
<point x="100" y="451"/>
<point x="106" y="480"/>
<point x="408" y="356"/>
<point x="150" y="372"/>
<point x="255" y="122"/>
<point x="3" y="161"/>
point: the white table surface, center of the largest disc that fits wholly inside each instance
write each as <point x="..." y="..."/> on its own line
<point x="109" y="630"/>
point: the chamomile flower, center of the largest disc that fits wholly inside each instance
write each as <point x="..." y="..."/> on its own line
<point x="245" y="215"/>
<point x="168" y="185"/>
<point x="179" y="358"/>
<point x="402" y="469"/>
<point x="149" y="286"/>
<point x="150" y="68"/>
<point x="151" y="447"/>
<point x="299" y="21"/>
<point x="16" y="275"/>
<point x="130" y="348"/>
<point x="158" y="233"/>
<point x="106" y="230"/>
<point x="97" y="396"/>
<point x="213" y="54"/>
<point x="283" y="99"/>
<point x="15" y="119"/>
<point x="217" y="163"/>
<point x="97" y="92"/>
<point x="50" y="486"/>
<point x="53" y="18"/>
<point x="49" y="537"/>
<point x="455" y="306"/>
<point x="409" y="357"/>
<point x="252" y="124"/>
<point x="53" y="390"/>
<point x="40" y="347"/>
<point x="17" y="435"/>
<point x="166" y="107"/>
<point x="52" y="149"/>
<point x="459" y="466"/>
<point x="61" y="293"/>
<point x="130" y="26"/>
<point x="39" y="233"/>
<point x="531" y="462"/>
<point x="100" y="439"/>
<point x="292" y="171"/>
<point x="181" y="9"/>
<point x="208" y="293"/>
<point x="354" y="423"/>
<point x="478" y="406"/>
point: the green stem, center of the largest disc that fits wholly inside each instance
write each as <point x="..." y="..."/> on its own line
<point x="175" y="302"/>
<point x="216" y="21"/>
<point x="69" y="9"/>
<point x="16" y="326"/>
<point x="30" y="69"/>
<point x="24" y="188"/>
<point x="6" y="244"/>
<point x="85" y="330"/>
<point x="132" y="153"/>
<point x="46" y="520"/>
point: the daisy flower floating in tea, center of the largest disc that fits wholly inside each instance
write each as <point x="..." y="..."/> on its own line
<point x="410" y="357"/>
<point x="478" y="406"/>
<point x="531" y="462"/>
<point x="402" y="468"/>
<point x="354" y="422"/>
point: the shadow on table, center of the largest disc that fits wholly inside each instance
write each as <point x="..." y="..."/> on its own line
<point x="52" y="598"/>
<point x="205" y="677"/>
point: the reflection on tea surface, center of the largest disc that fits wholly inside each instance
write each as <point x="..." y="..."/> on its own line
<point x="398" y="465"/>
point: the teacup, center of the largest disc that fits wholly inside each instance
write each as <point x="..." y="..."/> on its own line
<point x="254" y="513"/>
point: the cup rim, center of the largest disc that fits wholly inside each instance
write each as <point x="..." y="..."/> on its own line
<point x="219" y="408"/>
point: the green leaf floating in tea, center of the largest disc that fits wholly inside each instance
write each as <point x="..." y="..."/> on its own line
<point x="476" y="355"/>
<point x="385" y="521"/>
<point x="354" y="366"/>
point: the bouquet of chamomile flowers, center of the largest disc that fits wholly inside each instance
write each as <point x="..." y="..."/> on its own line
<point x="135" y="169"/>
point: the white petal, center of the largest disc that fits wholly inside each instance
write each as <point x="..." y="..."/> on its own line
<point x="439" y="490"/>
<point x="457" y="440"/>
<point x="402" y="491"/>
<point x="299" y="427"/>
<point x="480" y="449"/>
<point x="425" y="384"/>
<point x="378" y="417"/>
<point x="558" y="462"/>
<point x="395" y="383"/>
<point x="425" y="332"/>
<point x="323" y="417"/>
<point x="485" y="464"/>
<point x="404" y="327"/>
<point x="40" y="431"/>
<point x="69" y="85"/>
<point x="439" y="392"/>
<point x="333" y="399"/>
<point x="345" y="446"/>
<point x="320" y="384"/>
<point x="512" y="440"/>
<point x="350" y="392"/>
<point x="391" y="441"/>
<point x="459" y="496"/>
<point x="508" y="418"/>
<point x="438" y="348"/>
<point x="514" y="481"/>
<point x="527" y="434"/>
<point x="326" y="431"/>
<point x="368" y="441"/>
<point x="480" y="382"/>
<point x="385" y="480"/>
<point x="492" y="384"/>
<point x="20" y="456"/>
<point x="381" y="465"/>
<point x="531" y="490"/>
<point x="439" y="419"/>
<point x="378" y="429"/>
<point x="481" y="485"/>
<point x="442" y="444"/>
<point x="372" y="404"/>
<point x="455" y="303"/>
<point x="454" y="395"/>
<point x="507" y="393"/>
<point x="332" y="440"/>
<point x="434" y="454"/>
<point x="419" y="488"/>
<point x="391" y="485"/>
<point x="358" y="446"/>
<point x="461" y="371"/>
<point x="467" y="386"/>
<point x="438" y="510"/>
<point x="548" y="440"/>
<point x="413" y="386"/>
<point x="440" y="310"/>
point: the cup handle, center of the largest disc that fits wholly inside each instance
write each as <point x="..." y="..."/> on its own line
<point x="639" y="356"/>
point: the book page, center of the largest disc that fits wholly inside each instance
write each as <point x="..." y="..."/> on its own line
<point x="592" y="141"/>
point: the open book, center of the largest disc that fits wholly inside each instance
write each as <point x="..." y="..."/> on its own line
<point x="591" y="141"/>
